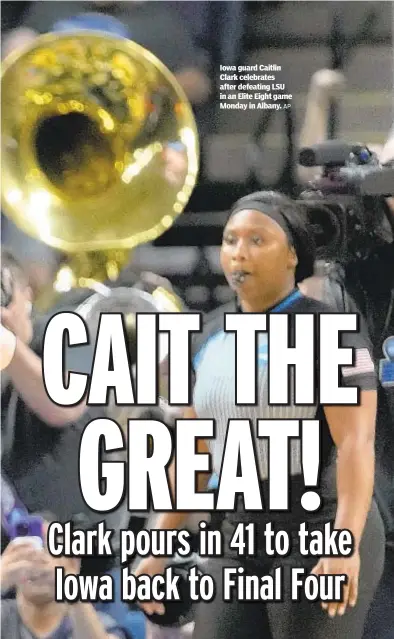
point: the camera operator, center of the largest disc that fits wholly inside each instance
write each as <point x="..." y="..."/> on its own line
<point x="375" y="302"/>
<point x="368" y="276"/>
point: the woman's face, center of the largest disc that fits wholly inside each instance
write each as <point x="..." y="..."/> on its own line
<point x="256" y="257"/>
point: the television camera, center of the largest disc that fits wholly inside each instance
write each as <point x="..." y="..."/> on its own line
<point x="347" y="203"/>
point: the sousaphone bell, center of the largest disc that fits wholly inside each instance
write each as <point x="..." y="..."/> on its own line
<point x="99" y="150"/>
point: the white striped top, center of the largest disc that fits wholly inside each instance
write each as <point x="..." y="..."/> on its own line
<point x="214" y="390"/>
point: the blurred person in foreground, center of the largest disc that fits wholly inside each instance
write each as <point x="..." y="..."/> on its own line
<point x="371" y="285"/>
<point x="40" y="440"/>
<point x="34" y="612"/>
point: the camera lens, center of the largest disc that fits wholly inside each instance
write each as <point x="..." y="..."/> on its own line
<point x="22" y="530"/>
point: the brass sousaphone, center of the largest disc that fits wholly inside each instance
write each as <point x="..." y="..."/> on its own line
<point x="99" y="149"/>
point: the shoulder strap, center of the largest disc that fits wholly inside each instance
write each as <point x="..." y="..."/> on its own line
<point x="341" y="297"/>
<point x="334" y="290"/>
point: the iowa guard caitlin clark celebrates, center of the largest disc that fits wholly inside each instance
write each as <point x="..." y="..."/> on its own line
<point x="266" y="252"/>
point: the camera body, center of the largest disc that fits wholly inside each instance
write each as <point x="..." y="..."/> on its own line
<point x="28" y="528"/>
<point x="346" y="206"/>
